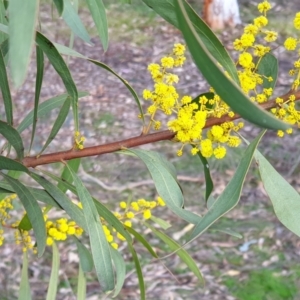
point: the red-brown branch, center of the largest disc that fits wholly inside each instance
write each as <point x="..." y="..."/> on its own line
<point x="33" y="161"/>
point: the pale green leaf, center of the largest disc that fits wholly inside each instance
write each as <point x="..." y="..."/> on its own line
<point x="285" y="199"/>
<point x="182" y="253"/>
<point x="99" y="245"/>
<point x="120" y="271"/>
<point x="138" y="272"/>
<point x="73" y="21"/>
<point x="21" y="27"/>
<point x="52" y="287"/>
<point x="24" y="291"/>
<point x="81" y="285"/>
<point x="230" y="196"/>
<point x="165" y="183"/>
<point x="98" y="13"/>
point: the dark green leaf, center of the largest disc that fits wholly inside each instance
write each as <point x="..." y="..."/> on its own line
<point x="66" y="175"/>
<point x="25" y="223"/>
<point x="24" y="291"/>
<point x="61" y="117"/>
<point x="224" y="87"/>
<point x="142" y="240"/>
<point x="230" y="196"/>
<point x="183" y="254"/>
<point x="5" y="90"/>
<point x="208" y="181"/>
<point x="33" y="211"/>
<point x="22" y="20"/>
<point x="62" y="70"/>
<point x="38" y="86"/>
<point x="10" y="164"/>
<point x="3" y="21"/>
<point x="59" y="6"/>
<point x="85" y="257"/>
<point x="45" y="108"/>
<point x="70" y="208"/>
<point x="268" y="67"/>
<point x="13" y="137"/>
<point x="97" y="10"/>
<point x="52" y="287"/>
<point x="99" y="245"/>
<point x="166" y="9"/>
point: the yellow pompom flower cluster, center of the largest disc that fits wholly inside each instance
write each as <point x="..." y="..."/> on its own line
<point x="191" y="115"/>
<point x="5" y="206"/>
<point x="129" y="212"/>
<point x="60" y="229"/>
<point x="78" y="140"/>
<point x="22" y="237"/>
<point x="292" y="44"/>
<point x="251" y="54"/>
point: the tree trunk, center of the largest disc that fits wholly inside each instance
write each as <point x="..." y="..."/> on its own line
<point x="220" y="13"/>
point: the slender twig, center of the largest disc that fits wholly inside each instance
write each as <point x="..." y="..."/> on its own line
<point x="44" y="159"/>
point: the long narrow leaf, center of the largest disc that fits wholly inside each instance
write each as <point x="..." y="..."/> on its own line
<point x="3" y="21"/>
<point x="182" y="253"/>
<point x="138" y="272"/>
<point x="62" y="70"/>
<point x="66" y="175"/>
<point x="85" y="257"/>
<point x="166" y="9"/>
<point x="5" y="90"/>
<point x="208" y="181"/>
<point x="98" y="13"/>
<point x="61" y="117"/>
<point x="285" y="199"/>
<point x="59" y="6"/>
<point x="230" y="196"/>
<point x="81" y="285"/>
<point x="13" y="137"/>
<point x="120" y="271"/>
<point x="268" y="67"/>
<point x="10" y="164"/>
<point x="73" y="21"/>
<point x="52" y="287"/>
<point x="45" y="108"/>
<point x="142" y="240"/>
<point x="38" y="86"/>
<point x="33" y="210"/>
<point x="24" y="291"/>
<point x="224" y="87"/>
<point x="99" y="245"/>
<point x="104" y="212"/>
<point x="70" y="208"/>
<point x="165" y="183"/>
<point x="22" y="20"/>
